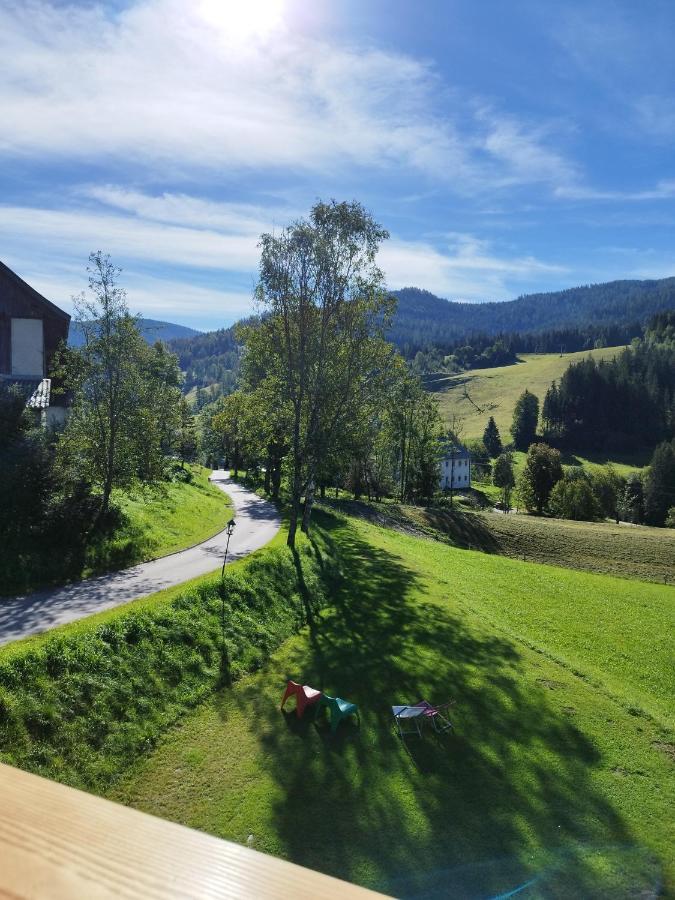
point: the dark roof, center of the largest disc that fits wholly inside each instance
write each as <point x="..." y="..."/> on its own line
<point x="12" y="276"/>
<point x="456" y="453"/>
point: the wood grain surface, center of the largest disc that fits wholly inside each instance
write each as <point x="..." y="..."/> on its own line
<point x="57" y="842"/>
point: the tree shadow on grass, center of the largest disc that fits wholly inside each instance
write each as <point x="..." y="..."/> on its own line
<point x="472" y="813"/>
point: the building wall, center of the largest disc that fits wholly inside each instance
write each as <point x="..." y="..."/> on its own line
<point x="21" y="344"/>
<point x="455" y="474"/>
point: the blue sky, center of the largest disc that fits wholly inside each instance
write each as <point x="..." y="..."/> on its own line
<point x="508" y="147"/>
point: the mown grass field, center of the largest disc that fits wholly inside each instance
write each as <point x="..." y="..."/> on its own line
<point x="174" y="516"/>
<point x="496" y="390"/>
<point x="560" y="768"/>
<point x="625" y="550"/>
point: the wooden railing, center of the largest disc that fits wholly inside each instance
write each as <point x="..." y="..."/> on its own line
<point x="56" y="842"/>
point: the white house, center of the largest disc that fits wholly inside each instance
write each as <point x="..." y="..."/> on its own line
<point x="455" y="469"/>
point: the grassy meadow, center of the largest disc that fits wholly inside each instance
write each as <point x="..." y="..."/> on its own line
<point x="629" y="551"/>
<point x="559" y="773"/>
<point x="496" y="390"/>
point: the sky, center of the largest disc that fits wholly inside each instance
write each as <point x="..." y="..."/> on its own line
<point x="508" y="147"/>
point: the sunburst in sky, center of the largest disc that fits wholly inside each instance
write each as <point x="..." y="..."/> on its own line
<point x="508" y="148"/>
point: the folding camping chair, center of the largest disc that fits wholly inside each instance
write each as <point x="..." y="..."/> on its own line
<point x="304" y="695"/>
<point x="437" y="718"/>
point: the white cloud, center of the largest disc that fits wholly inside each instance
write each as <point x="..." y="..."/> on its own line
<point x="465" y="269"/>
<point x="664" y="190"/>
<point x="220" y="239"/>
<point x="160" y="87"/>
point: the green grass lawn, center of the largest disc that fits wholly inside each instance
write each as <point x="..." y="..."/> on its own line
<point x="559" y="769"/>
<point x="625" y="550"/>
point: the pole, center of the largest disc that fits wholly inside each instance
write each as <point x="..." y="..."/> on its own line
<point x="230" y="529"/>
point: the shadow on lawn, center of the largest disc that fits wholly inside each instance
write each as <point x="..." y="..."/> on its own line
<point x="463" y="815"/>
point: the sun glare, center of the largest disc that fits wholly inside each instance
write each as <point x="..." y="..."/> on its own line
<point x="243" y="20"/>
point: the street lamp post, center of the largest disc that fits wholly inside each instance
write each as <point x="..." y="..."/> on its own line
<point x="229" y="529"/>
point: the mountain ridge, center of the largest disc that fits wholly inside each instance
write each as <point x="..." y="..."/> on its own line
<point x="151" y="329"/>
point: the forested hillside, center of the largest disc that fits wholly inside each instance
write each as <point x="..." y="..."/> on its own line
<point x="210" y="359"/>
<point x="424" y="320"/>
<point x="151" y="329"/>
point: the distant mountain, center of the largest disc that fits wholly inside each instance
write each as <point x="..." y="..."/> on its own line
<point x="151" y="329"/>
<point x="423" y="319"/>
<point x="610" y="313"/>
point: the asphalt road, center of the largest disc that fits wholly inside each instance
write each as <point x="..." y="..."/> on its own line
<point x="257" y="521"/>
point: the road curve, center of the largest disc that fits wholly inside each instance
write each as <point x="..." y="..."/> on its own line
<point x="257" y="521"/>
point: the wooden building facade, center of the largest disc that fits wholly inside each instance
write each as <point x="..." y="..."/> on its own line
<point x="31" y="330"/>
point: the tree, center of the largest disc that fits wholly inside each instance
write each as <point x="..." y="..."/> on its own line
<point x="573" y="498"/>
<point x="186" y="440"/>
<point x="122" y="392"/>
<point x="607" y="487"/>
<point x="525" y="418"/>
<point x="659" y="486"/>
<point x="542" y="471"/>
<point x="631" y="505"/>
<point x="492" y="438"/>
<point x="321" y="335"/>
<point x="504" y="478"/>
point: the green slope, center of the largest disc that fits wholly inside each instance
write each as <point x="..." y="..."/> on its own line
<point x="495" y="391"/>
<point x="559" y="769"/>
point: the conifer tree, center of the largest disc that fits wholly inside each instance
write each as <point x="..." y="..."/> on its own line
<point x="492" y="439"/>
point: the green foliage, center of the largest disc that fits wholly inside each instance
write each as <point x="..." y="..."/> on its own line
<point x="670" y="518"/>
<point x="540" y="474"/>
<point x="124" y="414"/>
<point x="210" y="359"/>
<point x="492" y="439"/>
<point x="503" y="477"/>
<point x="618" y="404"/>
<point x="632" y="504"/>
<point x="55" y="542"/>
<point x="573" y="498"/>
<point x="525" y="418"/>
<point x="318" y="351"/>
<point x="659" y="486"/>
<point x="82" y="707"/>
<point x="574" y="318"/>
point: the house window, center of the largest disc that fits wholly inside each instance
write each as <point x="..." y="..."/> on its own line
<point x="28" y="354"/>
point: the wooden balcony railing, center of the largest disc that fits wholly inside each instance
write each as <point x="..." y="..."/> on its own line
<point x="56" y="842"/>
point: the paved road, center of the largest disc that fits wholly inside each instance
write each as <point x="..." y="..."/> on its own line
<point x="257" y="523"/>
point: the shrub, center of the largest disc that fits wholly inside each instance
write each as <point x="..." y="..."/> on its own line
<point x="573" y="498"/>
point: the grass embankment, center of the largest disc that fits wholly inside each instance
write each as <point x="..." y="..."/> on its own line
<point x="80" y="704"/>
<point x="560" y="768"/>
<point x="175" y="515"/>
<point x="628" y="551"/>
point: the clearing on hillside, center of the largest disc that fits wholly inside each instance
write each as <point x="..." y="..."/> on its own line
<point x="495" y="391"/>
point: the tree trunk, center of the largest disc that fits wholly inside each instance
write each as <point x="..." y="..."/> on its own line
<point x="296" y="491"/>
<point x="322" y="490"/>
<point x="268" y="466"/>
<point x="309" y="503"/>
